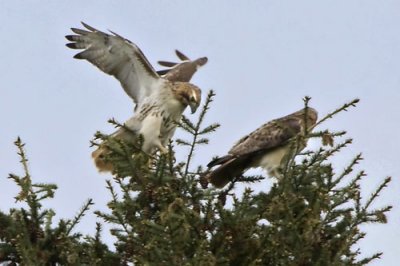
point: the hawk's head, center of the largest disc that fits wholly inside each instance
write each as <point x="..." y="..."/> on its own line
<point x="308" y="115"/>
<point x="188" y="94"/>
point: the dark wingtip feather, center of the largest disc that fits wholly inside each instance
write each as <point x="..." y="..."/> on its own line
<point x="72" y="45"/>
<point x="162" y="72"/>
<point x="88" y="26"/>
<point x="181" y="55"/>
<point x="78" y="56"/>
<point x="70" y="37"/>
<point x="80" y="32"/>
<point x="167" y="63"/>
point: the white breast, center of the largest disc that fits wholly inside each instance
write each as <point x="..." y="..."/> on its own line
<point x="158" y="123"/>
<point x="150" y="129"/>
<point x="272" y="160"/>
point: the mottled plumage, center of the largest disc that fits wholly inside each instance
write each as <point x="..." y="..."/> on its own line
<point x="265" y="147"/>
<point x="160" y="101"/>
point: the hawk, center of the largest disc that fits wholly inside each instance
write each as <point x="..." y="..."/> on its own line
<point x="160" y="101"/>
<point x="265" y="147"/>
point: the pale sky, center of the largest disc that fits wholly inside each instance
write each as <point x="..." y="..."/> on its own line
<point x="264" y="57"/>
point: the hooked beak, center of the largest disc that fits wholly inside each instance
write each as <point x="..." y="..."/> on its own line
<point x="193" y="107"/>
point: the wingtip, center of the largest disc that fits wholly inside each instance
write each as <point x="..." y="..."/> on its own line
<point x="71" y="45"/>
<point x="87" y="26"/>
<point x="80" y="31"/>
<point x="181" y="55"/>
<point x="78" y="56"/>
<point x="166" y="63"/>
<point x="69" y="37"/>
<point x="162" y="72"/>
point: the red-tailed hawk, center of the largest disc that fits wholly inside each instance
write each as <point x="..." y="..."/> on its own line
<point x="159" y="101"/>
<point x="265" y="147"/>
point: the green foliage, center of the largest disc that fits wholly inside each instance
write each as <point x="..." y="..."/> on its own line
<point x="28" y="236"/>
<point x="163" y="212"/>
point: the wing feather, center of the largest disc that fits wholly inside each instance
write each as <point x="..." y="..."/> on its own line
<point x="162" y="72"/>
<point x="118" y="57"/>
<point x="181" y="56"/>
<point x="182" y="71"/>
<point x="167" y="63"/>
<point x="269" y="136"/>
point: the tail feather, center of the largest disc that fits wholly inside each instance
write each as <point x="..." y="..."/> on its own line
<point x="99" y="159"/>
<point x="230" y="167"/>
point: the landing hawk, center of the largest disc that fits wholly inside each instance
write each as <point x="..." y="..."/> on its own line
<point x="265" y="147"/>
<point x="159" y="101"/>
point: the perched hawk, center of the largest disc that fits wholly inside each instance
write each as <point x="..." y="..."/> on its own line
<point x="159" y="101"/>
<point x="265" y="147"/>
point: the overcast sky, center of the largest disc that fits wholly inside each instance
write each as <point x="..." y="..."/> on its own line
<point x="264" y="57"/>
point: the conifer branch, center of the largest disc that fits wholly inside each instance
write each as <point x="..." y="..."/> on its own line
<point x="113" y="205"/>
<point x="332" y="114"/>
<point x="377" y="191"/>
<point x="21" y="153"/>
<point x="29" y="236"/>
<point x="79" y="216"/>
<point x="332" y="151"/>
<point x="196" y="131"/>
<point x="348" y="170"/>
<point x="49" y="220"/>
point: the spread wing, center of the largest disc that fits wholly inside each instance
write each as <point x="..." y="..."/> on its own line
<point x="118" y="57"/>
<point x="180" y="55"/>
<point x="182" y="71"/>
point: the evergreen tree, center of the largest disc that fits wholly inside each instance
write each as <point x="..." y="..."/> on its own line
<point x="28" y="236"/>
<point x="164" y="212"/>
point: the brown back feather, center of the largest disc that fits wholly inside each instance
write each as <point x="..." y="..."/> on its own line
<point x="264" y="139"/>
<point x="274" y="133"/>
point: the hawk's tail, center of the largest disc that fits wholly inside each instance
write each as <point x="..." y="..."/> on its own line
<point x="100" y="153"/>
<point x="99" y="159"/>
<point x="230" y="167"/>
